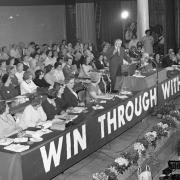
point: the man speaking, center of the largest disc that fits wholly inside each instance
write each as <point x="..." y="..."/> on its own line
<point x="115" y="55"/>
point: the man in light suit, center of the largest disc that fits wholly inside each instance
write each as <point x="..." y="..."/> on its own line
<point x="115" y="55"/>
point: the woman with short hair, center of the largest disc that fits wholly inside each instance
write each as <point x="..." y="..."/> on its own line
<point x="8" y="91"/>
<point x="27" y="85"/>
<point x="39" y="79"/>
<point x="8" y="125"/>
<point x="32" y="114"/>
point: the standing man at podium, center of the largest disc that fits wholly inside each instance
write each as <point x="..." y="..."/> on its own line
<point x="115" y="55"/>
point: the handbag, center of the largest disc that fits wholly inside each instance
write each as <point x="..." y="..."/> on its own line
<point x="145" y="175"/>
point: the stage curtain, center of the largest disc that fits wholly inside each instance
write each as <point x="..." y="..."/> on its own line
<point x="85" y="22"/>
<point x="170" y="25"/>
<point x="111" y="23"/>
<point x="71" y="22"/>
<point x="177" y="22"/>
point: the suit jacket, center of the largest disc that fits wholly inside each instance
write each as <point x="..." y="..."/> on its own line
<point x="70" y="100"/>
<point x="118" y="58"/>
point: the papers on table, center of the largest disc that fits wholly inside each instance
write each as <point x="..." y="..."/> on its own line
<point x="106" y="96"/>
<point x="37" y="134"/>
<point x="17" y="147"/>
<point x="45" y="124"/>
<point x="6" y="141"/>
<point x="71" y="117"/>
<point x="21" y="140"/>
<point x="77" y="110"/>
<point x="97" y="107"/>
<point x="33" y="139"/>
<point x="121" y="96"/>
<point x="125" y="93"/>
<point x="139" y="76"/>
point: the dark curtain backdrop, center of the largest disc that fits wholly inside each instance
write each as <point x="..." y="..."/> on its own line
<point x="111" y="23"/>
<point x="177" y="22"/>
<point x="157" y="13"/>
<point x="71" y="21"/>
<point x="170" y="25"/>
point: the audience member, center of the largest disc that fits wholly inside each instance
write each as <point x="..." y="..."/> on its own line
<point x="93" y="90"/>
<point x="39" y="79"/>
<point x="8" y="91"/>
<point x="58" y="73"/>
<point x="69" y="96"/>
<point x="27" y="85"/>
<point x="19" y="72"/>
<point x="49" y="105"/>
<point x="32" y="114"/>
<point x="69" y="70"/>
<point x="7" y="123"/>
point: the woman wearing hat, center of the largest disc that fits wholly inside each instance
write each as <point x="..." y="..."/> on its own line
<point x="148" y="42"/>
<point x="93" y="90"/>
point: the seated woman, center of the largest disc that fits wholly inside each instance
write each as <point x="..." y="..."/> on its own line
<point x="100" y="63"/>
<point x="39" y="79"/>
<point x="58" y="73"/>
<point x="59" y="99"/>
<point x="3" y="68"/>
<point x="7" y="124"/>
<point x="14" y="79"/>
<point x="8" y="91"/>
<point x="49" y="105"/>
<point x="27" y="85"/>
<point x="32" y="114"/>
<point x="86" y="68"/>
<point x="49" y="77"/>
<point x="69" y="96"/>
<point x="69" y="70"/>
<point x="93" y="90"/>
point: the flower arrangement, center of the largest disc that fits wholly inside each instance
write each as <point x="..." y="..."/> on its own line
<point x="164" y="109"/>
<point x="151" y="137"/>
<point x="169" y="120"/>
<point x="140" y="147"/>
<point x="100" y="176"/>
<point x="175" y="114"/>
<point x="111" y="173"/>
<point x="144" y="141"/>
<point x="132" y="156"/>
<point x="161" y="130"/>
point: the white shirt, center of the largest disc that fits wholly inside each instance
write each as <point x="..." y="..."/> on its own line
<point x="50" y="61"/>
<point x="58" y="75"/>
<point x="19" y="76"/>
<point x="27" y="87"/>
<point x="31" y="116"/>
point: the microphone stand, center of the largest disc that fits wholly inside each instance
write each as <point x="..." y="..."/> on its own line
<point x="157" y="77"/>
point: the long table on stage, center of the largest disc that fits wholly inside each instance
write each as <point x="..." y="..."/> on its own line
<point x="60" y="150"/>
<point x="133" y="83"/>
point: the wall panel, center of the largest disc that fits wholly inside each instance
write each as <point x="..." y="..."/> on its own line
<point x="32" y="23"/>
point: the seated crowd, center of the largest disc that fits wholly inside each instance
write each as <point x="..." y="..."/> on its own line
<point x="53" y="70"/>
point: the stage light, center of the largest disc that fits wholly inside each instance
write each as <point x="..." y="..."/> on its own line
<point x="124" y="14"/>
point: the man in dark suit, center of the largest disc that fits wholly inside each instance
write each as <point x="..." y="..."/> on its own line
<point x="115" y="55"/>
